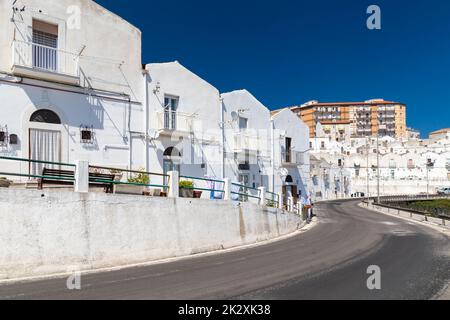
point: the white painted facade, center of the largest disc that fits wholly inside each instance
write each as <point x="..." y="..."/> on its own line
<point x="185" y="114"/>
<point x="103" y="92"/>
<point x="247" y="139"/>
<point x="71" y="66"/>
<point x="291" y="155"/>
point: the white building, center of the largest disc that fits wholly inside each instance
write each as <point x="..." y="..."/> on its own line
<point x="291" y="171"/>
<point x="71" y="84"/>
<point x="184" y="113"/>
<point x="74" y="88"/>
<point x="406" y="166"/>
<point x="247" y="139"/>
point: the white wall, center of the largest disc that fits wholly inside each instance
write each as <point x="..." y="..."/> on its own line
<point x="108" y="41"/>
<point x="258" y="132"/>
<point x="288" y="124"/>
<point x="96" y="230"/>
<point x="109" y="119"/>
<point x="199" y="104"/>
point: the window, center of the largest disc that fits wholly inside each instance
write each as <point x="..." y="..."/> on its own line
<point x="170" y="112"/>
<point x="243" y="123"/>
<point x="322" y="145"/>
<point x="357" y="170"/>
<point x="87" y="134"/>
<point x="45" y="44"/>
<point x="45" y="116"/>
<point x="288" y="145"/>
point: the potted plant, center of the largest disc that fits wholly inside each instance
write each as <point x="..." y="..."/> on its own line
<point x="137" y="184"/>
<point x="186" y="189"/>
<point x="4" y="183"/>
<point x="197" y="194"/>
<point x="118" y="175"/>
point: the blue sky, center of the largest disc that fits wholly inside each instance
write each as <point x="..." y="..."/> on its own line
<point x="289" y="52"/>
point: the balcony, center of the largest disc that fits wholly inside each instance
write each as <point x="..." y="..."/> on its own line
<point x="42" y="62"/>
<point x="245" y="141"/>
<point x="292" y="158"/>
<point x="174" y="122"/>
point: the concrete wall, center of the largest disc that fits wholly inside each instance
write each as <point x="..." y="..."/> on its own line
<point x="45" y="232"/>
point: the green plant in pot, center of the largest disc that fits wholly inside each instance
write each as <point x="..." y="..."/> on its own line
<point x="141" y="178"/>
<point x="186" y="189"/>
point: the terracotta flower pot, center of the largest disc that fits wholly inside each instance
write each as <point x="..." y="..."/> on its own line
<point x="186" y="193"/>
<point x="197" y="194"/>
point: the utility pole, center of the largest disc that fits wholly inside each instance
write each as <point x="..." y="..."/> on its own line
<point x="367" y="168"/>
<point x="378" y="170"/>
<point x="429" y="165"/>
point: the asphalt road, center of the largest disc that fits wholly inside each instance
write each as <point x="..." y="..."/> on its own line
<point x="329" y="261"/>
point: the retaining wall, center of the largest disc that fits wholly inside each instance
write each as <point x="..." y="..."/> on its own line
<point x="43" y="233"/>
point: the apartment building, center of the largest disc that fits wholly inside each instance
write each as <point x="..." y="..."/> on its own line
<point x="361" y="119"/>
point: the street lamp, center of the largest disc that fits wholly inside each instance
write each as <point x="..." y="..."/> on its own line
<point x="429" y="165"/>
<point x="380" y="127"/>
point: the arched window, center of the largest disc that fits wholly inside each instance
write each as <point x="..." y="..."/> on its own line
<point x="45" y="116"/>
<point x="289" y="179"/>
<point x="172" y="152"/>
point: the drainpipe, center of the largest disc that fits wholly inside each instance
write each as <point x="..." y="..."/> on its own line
<point x="222" y="126"/>
<point x="272" y="152"/>
<point x="146" y="122"/>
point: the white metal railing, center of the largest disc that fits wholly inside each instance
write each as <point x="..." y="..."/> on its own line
<point x="246" y="140"/>
<point x="174" y="121"/>
<point x="293" y="157"/>
<point x="40" y="57"/>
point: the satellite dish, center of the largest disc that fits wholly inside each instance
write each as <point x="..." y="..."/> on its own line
<point x="235" y="116"/>
<point x="153" y="134"/>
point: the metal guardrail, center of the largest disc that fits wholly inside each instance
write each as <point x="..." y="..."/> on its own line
<point x="204" y="180"/>
<point x="37" y="176"/>
<point x="442" y="216"/>
<point x="117" y="171"/>
<point x="246" y="189"/>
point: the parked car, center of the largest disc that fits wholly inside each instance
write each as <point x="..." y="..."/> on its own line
<point x="444" y="191"/>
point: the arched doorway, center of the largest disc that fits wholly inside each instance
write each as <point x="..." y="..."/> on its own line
<point x="171" y="160"/>
<point x="44" y="139"/>
<point x="290" y="189"/>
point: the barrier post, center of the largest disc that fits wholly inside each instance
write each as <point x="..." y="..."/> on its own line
<point x="262" y="195"/>
<point x="174" y="180"/>
<point x="82" y="176"/>
<point x="227" y="189"/>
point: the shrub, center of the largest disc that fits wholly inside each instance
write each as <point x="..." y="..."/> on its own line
<point x="186" y="184"/>
<point x="142" y="177"/>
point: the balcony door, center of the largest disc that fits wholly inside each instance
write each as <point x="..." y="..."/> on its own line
<point x="44" y="140"/>
<point x="45" y="46"/>
<point x="170" y="112"/>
